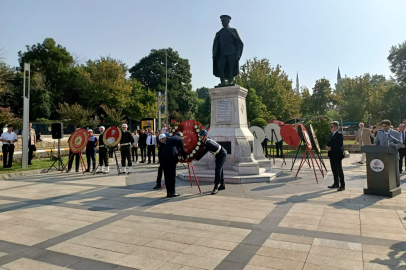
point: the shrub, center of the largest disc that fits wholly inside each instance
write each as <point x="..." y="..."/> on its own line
<point x="258" y="122"/>
<point x="322" y="129"/>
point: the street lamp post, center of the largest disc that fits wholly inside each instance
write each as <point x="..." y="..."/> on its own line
<point x="166" y="87"/>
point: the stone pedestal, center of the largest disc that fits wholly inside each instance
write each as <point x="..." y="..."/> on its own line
<point x="229" y="127"/>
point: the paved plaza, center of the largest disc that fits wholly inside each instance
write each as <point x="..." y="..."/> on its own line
<point x="70" y="221"/>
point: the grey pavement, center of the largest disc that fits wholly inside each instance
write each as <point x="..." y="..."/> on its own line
<point x="75" y="221"/>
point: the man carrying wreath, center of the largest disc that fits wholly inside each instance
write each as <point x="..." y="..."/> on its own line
<point x="220" y="153"/>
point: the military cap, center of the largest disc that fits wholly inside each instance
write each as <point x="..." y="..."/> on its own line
<point x="225" y="17"/>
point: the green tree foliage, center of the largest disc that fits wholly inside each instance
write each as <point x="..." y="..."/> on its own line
<point x="204" y="105"/>
<point x="6" y="117"/>
<point x="397" y="60"/>
<point x="322" y="129"/>
<point x="142" y="103"/>
<point x="114" y="117"/>
<point x="306" y="105"/>
<point x="6" y="77"/>
<point x="105" y="83"/>
<point x="272" y="85"/>
<point x="76" y="115"/>
<point x="258" y="122"/>
<point x="255" y="107"/>
<point x="321" y="96"/>
<point x="150" y="72"/>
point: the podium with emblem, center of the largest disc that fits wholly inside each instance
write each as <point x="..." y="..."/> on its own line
<point x="383" y="177"/>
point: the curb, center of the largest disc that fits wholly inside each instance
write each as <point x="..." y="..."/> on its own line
<point x="6" y="176"/>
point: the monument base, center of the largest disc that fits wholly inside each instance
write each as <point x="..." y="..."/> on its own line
<point x="231" y="177"/>
<point x="379" y="192"/>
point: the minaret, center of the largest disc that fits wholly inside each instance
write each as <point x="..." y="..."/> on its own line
<point x="338" y="75"/>
<point x="297" y="83"/>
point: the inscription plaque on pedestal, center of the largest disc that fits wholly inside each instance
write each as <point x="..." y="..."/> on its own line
<point x="223" y="111"/>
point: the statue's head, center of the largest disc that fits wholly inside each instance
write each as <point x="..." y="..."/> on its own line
<point x="225" y="20"/>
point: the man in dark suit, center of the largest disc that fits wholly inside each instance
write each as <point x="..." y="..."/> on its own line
<point x="402" y="150"/>
<point x="142" y="143"/>
<point x="170" y="158"/>
<point x="335" y="153"/>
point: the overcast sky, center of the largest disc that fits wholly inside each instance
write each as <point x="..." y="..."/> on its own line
<point x="309" y="37"/>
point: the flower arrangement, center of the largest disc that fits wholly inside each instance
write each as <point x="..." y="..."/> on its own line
<point x="175" y="127"/>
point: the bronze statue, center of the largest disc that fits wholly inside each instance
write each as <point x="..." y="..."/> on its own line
<point x="227" y="50"/>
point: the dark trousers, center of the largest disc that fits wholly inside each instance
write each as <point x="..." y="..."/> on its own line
<point x="159" y="177"/>
<point x="134" y="151"/>
<point x="74" y="156"/>
<point x="151" y="150"/>
<point x="143" y="150"/>
<point x="337" y="169"/>
<point x="91" y="155"/>
<point x="279" y="147"/>
<point x="111" y="153"/>
<point x="218" y="171"/>
<point x="169" y="166"/>
<point x="402" y="154"/>
<point x="265" y="147"/>
<point x="103" y="158"/>
<point x="126" y="155"/>
<point x="30" y="153"/>
<point x="8" y="151"/>
<point x="226" y="66"/>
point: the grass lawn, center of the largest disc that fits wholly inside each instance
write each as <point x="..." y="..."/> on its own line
<point x="36" y="164"/>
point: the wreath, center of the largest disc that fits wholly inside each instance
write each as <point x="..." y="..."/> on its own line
<point x="175" y="127"/>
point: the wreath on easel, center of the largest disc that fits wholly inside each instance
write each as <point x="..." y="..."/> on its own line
<point x="194" y="127"/>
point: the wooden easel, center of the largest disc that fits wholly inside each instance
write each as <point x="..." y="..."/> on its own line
<point x="190" y="176"/>
<point x="82" y="163"/>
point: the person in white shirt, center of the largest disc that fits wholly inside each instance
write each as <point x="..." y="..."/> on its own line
<point x="151" y="142"/>
<point x="8" y="138"/>
<point x="134" y="149"/>
<point x="402" y="150"/>
<point x="164" y="129"/>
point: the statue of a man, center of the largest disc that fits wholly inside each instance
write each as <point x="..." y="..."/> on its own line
<point x="227" y="50"/>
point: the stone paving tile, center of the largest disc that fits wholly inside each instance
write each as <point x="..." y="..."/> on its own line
<point x="337" y="244"/>
<point x="383" y="250"/>
<point x="124" y="238"/>
<point x="264" y="261"/>
<point x="383" y="229"/>
<point x="298" y="226"/>
<point x="167" y="245"/>
<point x="206" y="252"/>
<point x="160" y="254"/>
<point x="286" y="245"/>
<point x="311" y="266"/>
<point x="338" y="230"/>
<point x="282" y="254"/>
<point x="196" y="261"/>
<point x="173" y="266"/>
<point x="103" y="244"/>
<point x="225" y="237"/>
<point x="335" y="262"/>
<point x="377" y="266"/>
<point x="226" y="245"/>
<point x="20" y="238"/>
<point x="27" y="264"/>
<point x="292" y="238"/>
<point x="87" y="252"/>
<point x="384" y="235"/>
<point x="336" y="253"/>
<point x="384" y="259"/>
<point x="138" y="262"/>
<point x="342" y="225"/>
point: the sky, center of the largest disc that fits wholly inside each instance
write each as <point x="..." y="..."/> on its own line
<point x="312" y="38"/>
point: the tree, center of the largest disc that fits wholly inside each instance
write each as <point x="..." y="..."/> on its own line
<point x="105" y="83"/>
<point x="321" y="97"/>
<point x="255" y="107"/>
<point x="397" y="60"/>
<point x="203" y="92"/>
<point x="204" y="105"/>
<point x="6" y="76"/>
<point x="258" y="122"/>
<point x="322" y="129"/>
<point x="142" y="103"/>
<point x="115" y="117"/>
<point x="306" y="105"/>
<point x="150" y="72"/>
<point x="272" y="85"/>
<point x="76" y="115"/>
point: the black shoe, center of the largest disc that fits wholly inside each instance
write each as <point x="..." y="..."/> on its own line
<point x="341" y="189"/>
<point x="68" y="171"/>
<point x="158" y="186"/>
<point x="77" y="170"/>
<point x="29" y="163"/>
<point x="215" y="190"/>
<point x="333" y="186"/>
<point x="87" y="170"/>
<point x="142" y="162"/>
<point x="149" y="162"/>
<point x="222" y="187"/>
<point x="172" y="195"/>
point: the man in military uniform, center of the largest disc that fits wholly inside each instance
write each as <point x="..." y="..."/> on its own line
<point x="91" y="150"/>
<point x="170" y="158"/>
<point x="227" y="51"/>
<point x="103" y="158"/>
<point x="161" y="145"/>
<point x="125" y="148"/>
<point x="220" y="153"/>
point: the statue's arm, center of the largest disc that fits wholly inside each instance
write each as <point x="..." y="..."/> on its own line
<point x="215" y="45"/>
